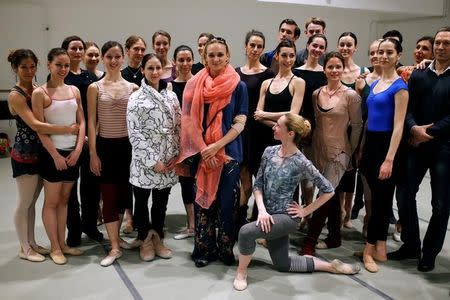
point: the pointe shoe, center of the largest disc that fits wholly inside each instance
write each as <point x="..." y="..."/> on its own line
<point x="31" y="255"/>
<point x="147" y="249"/>
<point x="72" y="251"/>
<point x="369" y="264"/>
<point x="111" y="257"/>
<point x="41" y="250"/>
<point x="240" y="284"/>
<point x="343" y="268"/>
<point x="160" y="249"/>
<point x="57" y="258"/>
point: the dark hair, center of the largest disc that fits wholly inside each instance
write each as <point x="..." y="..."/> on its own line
<point x="133" y="39"/>
<point x="285" y="43"/>
<point x="397" y="45"/>
<point x="350" y="34"/>
<point x="317" y="35"/>
<point x="316" y="21"/>
<point x="428" y="38"/>
<point x="111" y="44"/>
<point x="442" y="29"/>
<point x="218" y="40"/>
<point x="56" y="52"/>
<point x="182" y="48"/>
<point x="257" y="33"/>
<point x="206" y="34"/>
<point x="163" y="33"/>
<point x="90" y="44"/>
<point x="147" y="57"/>
<point x="15" y="57"/>
<point x="394" y="33"/>
<point x="291" y="22"/>
<point x="331" y="55"/>
<point x="69" y="39"/>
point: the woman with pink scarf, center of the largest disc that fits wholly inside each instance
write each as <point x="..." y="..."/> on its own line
<point x="214" y="112"/>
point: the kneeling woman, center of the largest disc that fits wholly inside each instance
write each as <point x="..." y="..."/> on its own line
<point x="282" y="168"/>
<point x="153" y="119"/>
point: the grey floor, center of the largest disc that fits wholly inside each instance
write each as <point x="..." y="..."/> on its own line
<point x="177" y="278"/>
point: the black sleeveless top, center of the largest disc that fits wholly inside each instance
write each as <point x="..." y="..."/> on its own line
<point x="278" y="102"/>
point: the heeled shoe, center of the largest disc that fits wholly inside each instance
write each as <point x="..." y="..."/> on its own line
<point x="240" y="284"/>
<point x="147" y="249"/>
<point x="57" y="258"/>
<point x="31" y="255"/>
<point x="72" y="251"/>
<point x="41" y="250"/>
<point x="370" y="264"/>
<point x="160" y="249"/>
<point x="343" y="268"/>
<point x="111" y="257"/>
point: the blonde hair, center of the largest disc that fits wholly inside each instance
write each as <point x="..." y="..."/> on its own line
<point x="299" y="125"/>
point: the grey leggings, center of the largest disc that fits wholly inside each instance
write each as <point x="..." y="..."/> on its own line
<point x="277" y="243"/>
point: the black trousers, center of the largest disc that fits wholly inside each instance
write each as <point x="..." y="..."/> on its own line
<point x="158" y="210"/>
<point x="433" y="157"/>
<point x="89" y="198"/>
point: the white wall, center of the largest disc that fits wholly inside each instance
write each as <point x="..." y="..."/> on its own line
<point x="23" y="23"/>
<point x="116" y="19"/>
<point x="413" y="29"/>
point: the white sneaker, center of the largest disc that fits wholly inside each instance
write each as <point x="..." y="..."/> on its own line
<point x="111" y="258"/>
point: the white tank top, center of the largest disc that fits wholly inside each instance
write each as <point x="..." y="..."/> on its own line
<point x="62" y="112"/>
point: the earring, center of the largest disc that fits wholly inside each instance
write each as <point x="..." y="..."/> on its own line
<point x="35" y="78"/>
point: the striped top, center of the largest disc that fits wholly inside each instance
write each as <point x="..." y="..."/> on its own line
<point x="112" y="112"/>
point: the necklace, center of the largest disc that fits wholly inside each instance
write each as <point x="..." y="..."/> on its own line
<point x="134" y="73"/>
<point x="332" y="93"/>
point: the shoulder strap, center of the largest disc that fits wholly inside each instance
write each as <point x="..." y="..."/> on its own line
<point x="291" y="79"/>
<point x="19" y="90"/>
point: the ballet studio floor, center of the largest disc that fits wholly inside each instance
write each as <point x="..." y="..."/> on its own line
<point x="130" y="278"/>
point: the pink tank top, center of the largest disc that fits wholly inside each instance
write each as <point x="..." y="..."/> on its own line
<point x="112" y="112"/>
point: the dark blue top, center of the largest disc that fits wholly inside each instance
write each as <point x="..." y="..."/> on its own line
<point x="238" y="106"/>
<point x="429" y="102"/>
<point x="381" y="106"/>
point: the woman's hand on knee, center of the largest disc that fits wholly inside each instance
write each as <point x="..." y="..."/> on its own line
<point x="265" y="221"/>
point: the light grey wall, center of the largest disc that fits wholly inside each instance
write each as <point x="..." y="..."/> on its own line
<point x="116" y="19"/>
<point x="414" y="28"/>
<point x="41" y="25"/>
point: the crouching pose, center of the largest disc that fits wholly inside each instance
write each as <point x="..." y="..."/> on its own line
<point x="282" y="168"/>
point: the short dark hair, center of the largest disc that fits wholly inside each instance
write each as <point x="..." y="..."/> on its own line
<point x="257" y="33"/>
<point x="285" y="43"/>
<point x="15" y="57"/>
<point x="350" y="34"/>
<point x="182" y="48"/>
<point x="394" y="33"/>
<point x="443" y="29"/>
<point x="316" y="21"/>
<point x="332" y="54"/>
<point x="69" y="39"/>
<point x="291" y="22"/>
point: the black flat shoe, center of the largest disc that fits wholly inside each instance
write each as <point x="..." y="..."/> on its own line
<point x="425" y="264"/>
<point x="94" y="234"/>
<point x="403" y="253"/>
<point x="201" y="262"/>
